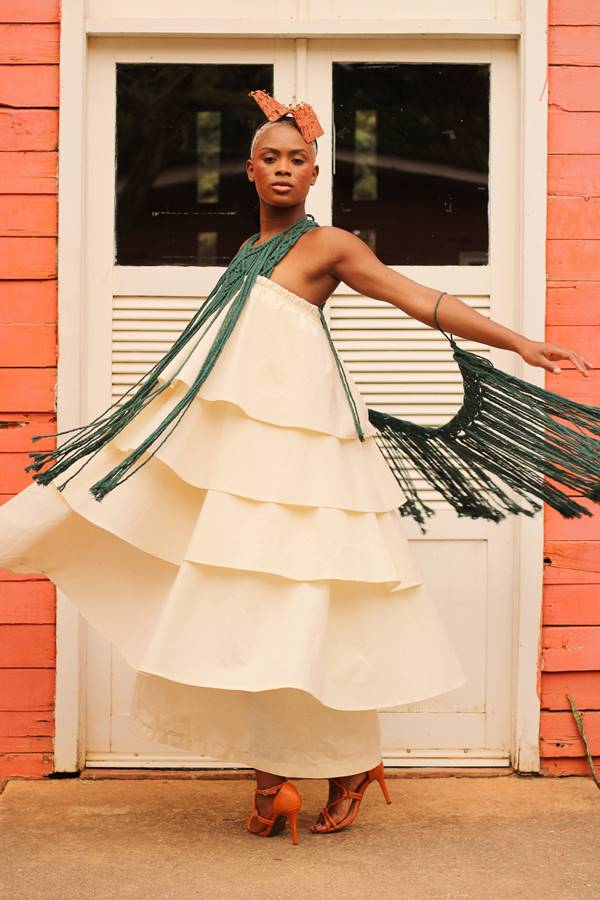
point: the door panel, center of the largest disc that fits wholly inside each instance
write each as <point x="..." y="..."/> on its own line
<point x="429" y="194"/>
<point x="145" y="279"/>
<point x="161" y="225"/>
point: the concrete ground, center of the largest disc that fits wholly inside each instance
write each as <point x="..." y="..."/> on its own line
<point x="157" y="838"/>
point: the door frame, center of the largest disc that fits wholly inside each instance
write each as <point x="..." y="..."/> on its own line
<point x="531" y="36"/>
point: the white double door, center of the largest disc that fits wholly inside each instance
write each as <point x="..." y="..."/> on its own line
<point x="468" y="565"/>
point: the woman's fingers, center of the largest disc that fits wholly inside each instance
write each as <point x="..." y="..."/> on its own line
<point x="554" y="352"/>
<point x="577" y="360"/>
<point x="581" y="363"/>
<point x="538" y="353"/>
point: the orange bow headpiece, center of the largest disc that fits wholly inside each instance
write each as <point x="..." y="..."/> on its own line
<point x="303" y="113"/>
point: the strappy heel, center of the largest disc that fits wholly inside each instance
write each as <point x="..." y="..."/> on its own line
<point x="374" y="774"/>
<point x="285" y="806"/>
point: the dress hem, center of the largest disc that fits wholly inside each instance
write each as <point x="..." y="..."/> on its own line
<point x="255" y="760"/>
<point x="370" y="706"/>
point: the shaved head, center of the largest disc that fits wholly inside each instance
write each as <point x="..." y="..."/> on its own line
<point x="290" y="121"/>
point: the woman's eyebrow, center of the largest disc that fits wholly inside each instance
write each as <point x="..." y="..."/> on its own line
<point x="295" y="150"/>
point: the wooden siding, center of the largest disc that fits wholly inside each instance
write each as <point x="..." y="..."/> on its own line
<point x="570" y="640"/>
<point x="29" y="56"/>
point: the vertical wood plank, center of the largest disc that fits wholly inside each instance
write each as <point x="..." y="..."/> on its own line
<point x="570" y="646"/>
<point x="29" y="98"/>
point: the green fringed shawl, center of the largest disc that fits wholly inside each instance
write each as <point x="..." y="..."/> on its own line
<point x="508" y="433"/>
<point x="87" y="440"/>
<point x="503" y="436"/>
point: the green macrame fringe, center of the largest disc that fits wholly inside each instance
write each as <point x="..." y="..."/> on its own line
<point x="505" y="428"/>
<point x="343" y="378"/>
<point x="89" y="439"/>
<point x="505" y="434"/>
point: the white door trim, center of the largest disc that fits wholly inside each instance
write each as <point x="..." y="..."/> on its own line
<point x="69" y="747"/>
<point x="530" y="543"/>
<point x="70" y="665"/>
<point x="304" y="28"/>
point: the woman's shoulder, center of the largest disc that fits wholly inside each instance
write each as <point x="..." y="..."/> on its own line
<point x="334" y="237"/>
<point x="335" y="244"/>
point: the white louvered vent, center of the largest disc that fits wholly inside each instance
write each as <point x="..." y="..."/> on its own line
<point x="143" y="329"/>
<point x="402" y="366"/>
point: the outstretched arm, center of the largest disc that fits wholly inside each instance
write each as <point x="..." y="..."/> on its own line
<point x="354" y="263"/>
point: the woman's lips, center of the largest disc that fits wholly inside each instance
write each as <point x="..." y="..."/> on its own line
<point x="281" y="188"/>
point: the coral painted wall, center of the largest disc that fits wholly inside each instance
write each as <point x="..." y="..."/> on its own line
<point x="29" y="55"/>
<point x="570" y="641"/>
<point x="570" y="646"/>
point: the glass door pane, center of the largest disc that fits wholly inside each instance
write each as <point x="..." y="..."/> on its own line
<point x="183" y="136"/>
<point x="411" y="147"/>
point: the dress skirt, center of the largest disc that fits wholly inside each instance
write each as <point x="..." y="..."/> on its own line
<point x="253" y="571"/>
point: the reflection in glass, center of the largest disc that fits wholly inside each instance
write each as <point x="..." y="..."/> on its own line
<point x="208" y="148"/>
<point x="411" y="160"/>
<point x="364" y="184"/>
<point x="183" y="136"/>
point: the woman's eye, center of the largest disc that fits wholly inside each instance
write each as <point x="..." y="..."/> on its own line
<point x="269" y="158"/>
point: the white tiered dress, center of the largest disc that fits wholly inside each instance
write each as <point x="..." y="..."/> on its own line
<point x="254" y="571"/>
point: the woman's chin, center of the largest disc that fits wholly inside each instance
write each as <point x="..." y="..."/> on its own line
<point x="282" y="202"/>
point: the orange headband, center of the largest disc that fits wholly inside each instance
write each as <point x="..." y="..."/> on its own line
<point x="303" y="113"/>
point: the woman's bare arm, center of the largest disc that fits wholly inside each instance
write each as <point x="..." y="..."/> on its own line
<point x="354" y="263"/>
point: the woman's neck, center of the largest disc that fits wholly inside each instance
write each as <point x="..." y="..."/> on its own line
<point x="272" y="225"/>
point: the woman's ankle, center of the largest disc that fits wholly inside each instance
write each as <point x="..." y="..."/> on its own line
<point x="267" y="779"/>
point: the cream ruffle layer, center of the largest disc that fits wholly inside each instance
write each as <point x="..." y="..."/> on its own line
<point x="259" y="550"/>
<point x="351" y="644"/>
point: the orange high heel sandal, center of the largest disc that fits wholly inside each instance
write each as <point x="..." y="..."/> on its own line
<point x="374" y="774"/>
<point x="285" y="806"/>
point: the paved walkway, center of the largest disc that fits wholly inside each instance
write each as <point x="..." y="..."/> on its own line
<point x="507" y="838"/>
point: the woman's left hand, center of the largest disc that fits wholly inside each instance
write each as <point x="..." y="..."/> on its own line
<point x="539" y="353"/>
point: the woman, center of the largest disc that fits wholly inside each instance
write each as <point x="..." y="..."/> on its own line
<point x="319" y="261"/>
<point x="255" y="573"/>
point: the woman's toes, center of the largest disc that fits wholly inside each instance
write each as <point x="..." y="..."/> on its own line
<point x="319" y="825"/>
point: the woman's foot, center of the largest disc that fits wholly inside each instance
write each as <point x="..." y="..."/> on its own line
<point x="340" y="810"/>
<point x="264" y="804"/>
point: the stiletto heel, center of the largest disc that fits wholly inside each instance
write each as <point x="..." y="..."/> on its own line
<point x="374" y="774"/>
<point x="381" y="779"/>
<point x="293" y="820"/>
<point x="286" y="804"/>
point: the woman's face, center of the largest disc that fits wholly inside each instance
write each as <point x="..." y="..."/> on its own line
<point x="282" y="155"/>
